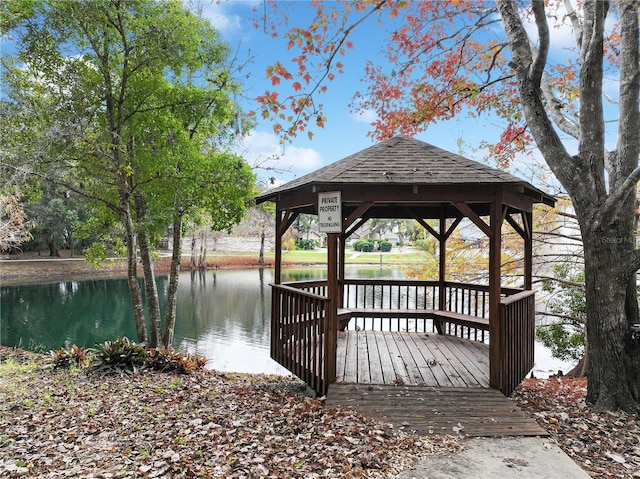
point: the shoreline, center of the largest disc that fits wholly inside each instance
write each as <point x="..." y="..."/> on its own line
<point x="26" y="269"/>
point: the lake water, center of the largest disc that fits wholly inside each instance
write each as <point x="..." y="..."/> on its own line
<point x="223" y="315"/>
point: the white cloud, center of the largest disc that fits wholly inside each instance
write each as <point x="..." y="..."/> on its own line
<point x="263" y="151"/>
<point x="367" y="116"/>
<point x="560" y="31"/>
<point x="220" y="15"/>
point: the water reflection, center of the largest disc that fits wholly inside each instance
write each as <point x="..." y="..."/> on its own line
<point x="222" y="315"/>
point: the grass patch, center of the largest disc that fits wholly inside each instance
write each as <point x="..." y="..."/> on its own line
<point x="320" y="257"/>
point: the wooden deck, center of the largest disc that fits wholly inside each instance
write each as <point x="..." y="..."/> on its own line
<point x="419" y="359"/>
<point x="431" y="410"/>
<point x="424" y="382"/>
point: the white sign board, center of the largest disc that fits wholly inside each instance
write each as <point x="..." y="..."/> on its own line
<point x="330" y="212"/>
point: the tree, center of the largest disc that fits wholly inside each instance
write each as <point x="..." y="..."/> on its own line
<point x="130" y="105"/>
<point x="14" y="227"/>
<point x="446" y="59"/>
<point x="55" y="215"/>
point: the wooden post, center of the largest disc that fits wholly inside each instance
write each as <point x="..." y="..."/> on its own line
<point x="442" y="266"/>
<point x="495" y="287"/>
<point x="341" y="270"/>
<point x="332" y="293"/>
<point x="278" y="245"/>
<point x="527" y="220"/>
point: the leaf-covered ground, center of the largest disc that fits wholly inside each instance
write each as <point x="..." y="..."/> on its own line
<point x="73" y="424"/>
<point x="210" y="425"/>
<point x="605" y="445"/>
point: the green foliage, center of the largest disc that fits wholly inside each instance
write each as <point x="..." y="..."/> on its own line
<point x="124" y="356"/>
<point x="362" y="245"/>
<point x="121" y="356"/>
<point x="566" y="335"/>
<point x="132" y="105"/>
<point x="368" y="245"/>
<point x="566" y="340"/>
<point x="426" y="245"/>
<point x="96" y="254"/>
<point x="307" y="244"/>
<point x="385" y="246"/>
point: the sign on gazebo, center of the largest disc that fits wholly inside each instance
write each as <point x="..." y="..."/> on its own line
<point x="330" y="212"/>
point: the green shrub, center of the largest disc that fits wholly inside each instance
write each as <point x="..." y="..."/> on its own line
<point x="368" y="245"/>
<point x="307" y="244"/>
<point x="121" y="356"/>
<point x="385" y="246"/>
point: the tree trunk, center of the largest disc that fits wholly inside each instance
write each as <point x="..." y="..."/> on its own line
<point x="581" y="369"/>
<point x="202" y="257"/>
<point x="151" y="289"/>
<point x="132" y="280"/>
<point x="153" y="302"/>
<point x="174" y="276"/>
<point x="261" y="256"/>
<point x="192" y="261"/>
<point x="53" y="249"/>
<point x="614" y="358"/>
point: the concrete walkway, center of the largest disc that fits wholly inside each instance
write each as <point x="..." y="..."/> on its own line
<point x="502" y="458"/>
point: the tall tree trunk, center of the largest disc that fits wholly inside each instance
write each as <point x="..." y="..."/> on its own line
<point x="600" y="183"/>
<point x="261" y="256"/>
<point x="174" y="276"/>
<point x="202" y="257"/>
<point x="150" y="286"/>
<point x="192" y="261"/>
<point x="151" y="289"/>
<point x="53" y="249"/>
<point x="132" y="278"/>
<point x="614" y="358"/>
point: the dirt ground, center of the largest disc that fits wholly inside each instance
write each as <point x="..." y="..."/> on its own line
<point x="32" y="267"/>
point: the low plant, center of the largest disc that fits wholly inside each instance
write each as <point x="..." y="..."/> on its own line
<point x="170" y="360"/>
<point x="69" y="356"/>
<point x="124" y="356"/>
<point x="121" y="356"/>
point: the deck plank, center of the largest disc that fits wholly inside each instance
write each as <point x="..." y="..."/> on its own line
<point x="351" y="365"/>
<point x="362" y="359"/>
<point x="456" y="363"/>
<point x="434" y="410"/>
<point x="422" y="363"/>
<point x="422" y="351"/>
<point x="375" y="364"/>
<point x="397" y="361"/>
<point x="436" y="344"/>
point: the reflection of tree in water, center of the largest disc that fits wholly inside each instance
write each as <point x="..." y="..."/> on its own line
<point x="213" y="308"/>
<point x="76" y="312"/>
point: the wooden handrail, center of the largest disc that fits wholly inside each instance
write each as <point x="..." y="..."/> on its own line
<point x="298" y="291"/>
<point x="519" y="296"/>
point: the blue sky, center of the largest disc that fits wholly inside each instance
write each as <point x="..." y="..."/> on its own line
<point x="345" y="132"/>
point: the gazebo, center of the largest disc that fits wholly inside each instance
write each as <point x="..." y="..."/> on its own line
<point x="404" y="178"/>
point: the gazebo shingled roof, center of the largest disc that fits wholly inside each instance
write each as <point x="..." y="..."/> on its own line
<point x="401" y="161"/>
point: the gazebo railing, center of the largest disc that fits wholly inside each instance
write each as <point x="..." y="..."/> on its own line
<point x="303" y="341"/>
<point x="517" y="333"/>
<point x="301" y="335"/>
